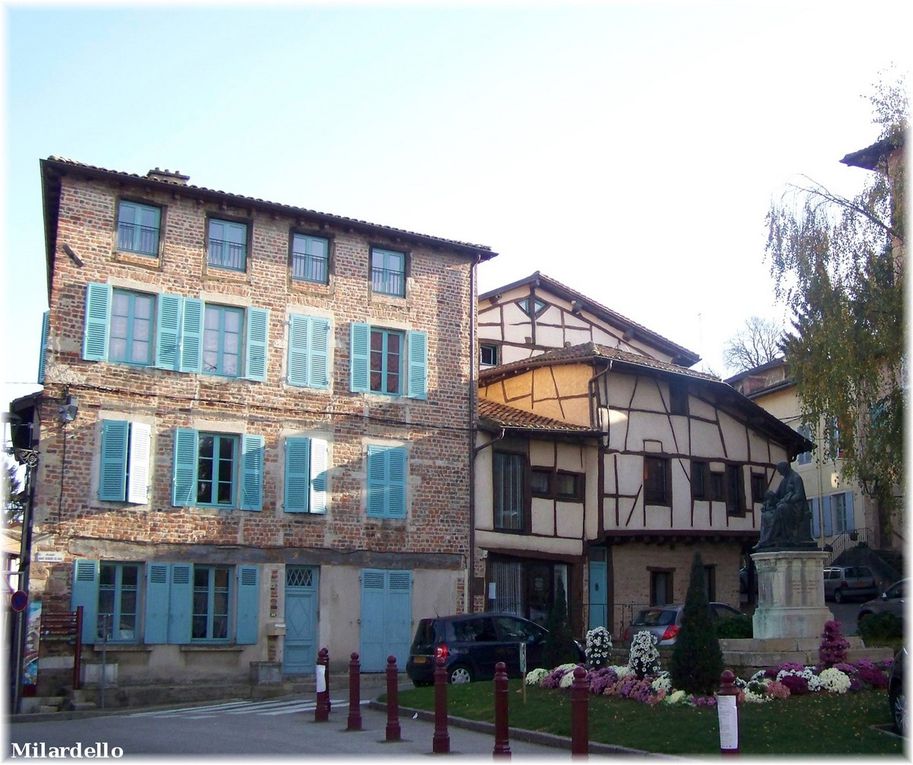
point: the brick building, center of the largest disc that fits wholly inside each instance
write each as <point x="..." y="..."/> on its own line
<point x="255" y="428"/>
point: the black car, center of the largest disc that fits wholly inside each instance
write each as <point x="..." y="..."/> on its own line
<point x="473" y="644"/>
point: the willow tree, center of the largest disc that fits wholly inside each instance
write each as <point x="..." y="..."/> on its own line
<point x="838" y="266"/>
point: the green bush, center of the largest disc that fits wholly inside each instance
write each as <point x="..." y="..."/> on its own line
<point x="880" y="627"/>
<point x="735" y="627"/>
<point x="559" y="643"/>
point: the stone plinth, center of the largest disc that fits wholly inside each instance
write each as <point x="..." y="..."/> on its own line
<point x="790" y="594"/>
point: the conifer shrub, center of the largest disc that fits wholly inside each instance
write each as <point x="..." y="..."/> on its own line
<point x="559" y="643"/>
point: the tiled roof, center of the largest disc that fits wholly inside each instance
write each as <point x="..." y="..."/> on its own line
<point x="680" y="352"/>
<point x="62" y="164"/>
<point x="505" y="416"/>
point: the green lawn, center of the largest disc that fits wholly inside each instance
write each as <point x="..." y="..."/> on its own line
<point x="820" y="724"/>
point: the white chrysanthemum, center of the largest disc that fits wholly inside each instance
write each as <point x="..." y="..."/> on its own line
<point x="833" y="680"/>
<point x="567" y="680"/>
<point x="755" y="698"/>
<point x="676" y="697"/>
<point x="759" y="675"/>
<point x="536" y="676"/>
<point x="622" y="671"/>
<point x="662" y="683"/>
<point x="570" y="667"/>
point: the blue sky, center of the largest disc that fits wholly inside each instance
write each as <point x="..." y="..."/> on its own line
<point x="628" y="150"/>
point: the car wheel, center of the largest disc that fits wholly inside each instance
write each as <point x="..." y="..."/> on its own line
<point x="898" y="701"/>
<point x="459" y="674"/>
<point x="838" y="596"/>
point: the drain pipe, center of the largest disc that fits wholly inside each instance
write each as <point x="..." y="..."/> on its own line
<point x="471" y="430"/>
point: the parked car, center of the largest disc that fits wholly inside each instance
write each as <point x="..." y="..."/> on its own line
<point x="891" y="601"/>
<point x="844" y="582"/>
<point x="665" y="622"/>
<point x="897" y="696"/>
<point x="473" y="644"/>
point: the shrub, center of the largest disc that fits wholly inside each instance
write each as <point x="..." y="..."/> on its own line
<point x="833" y="645"/>
<point x="559" y="643"/>
<point x="697" y="660"/>
<point x="735" y="627"/>
<point x="881" y="627"/>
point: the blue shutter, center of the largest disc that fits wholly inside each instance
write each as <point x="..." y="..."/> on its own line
<point x="320" y="464"/>
<point x="180" y="603"/>
<point x="828" y="520"/>
<point x="396" y="482"/>
<point x="297" y="474"/>
<point x="376" y="482"/>
<point x="298" y="349"/>
<point x="98" y="314"/>
<point x="850" y="512"/>
<point x="156" y="618"/>
<point x="252" y="472"/>
<point x="257" y="341"/>
<point x="248" y="605"/>
<point x="84" y="592"/>
<point x="418" y="365"/>
<point x="319" y="353"/>
<point x="816" y="518"/>
<point x="168" y="332"/>
<point x="309" y="351"/>
<point x="360" y="358"/>
<point x="115" y="438"/>
<point x="373" y="596"/>
<point x="44" y="346"/>
<point x="398" y="613"/>
<point x="191" y="336"/>
<point x="184" y="476"/>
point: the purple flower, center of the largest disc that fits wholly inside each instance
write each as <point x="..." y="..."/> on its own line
<point x="796" y="683"/>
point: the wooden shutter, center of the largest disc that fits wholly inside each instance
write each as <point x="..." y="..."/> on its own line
<point x="248" y="625"/>
<point x="309" y="351"/>
<point x="168" y="332"/>
<point x="320" y="458"/>
<point x="816" y="519"/>
<point x="376" y="471"/>
<point x="398" y="613"/>
<point x="44" y="346"/>
<point x="256" y="343"/>
<point x="252" y="472"/>
<point x="112" y="480"/>
<point x="184" y="477"/>
<point x="180" y="603"/>
<point x="140" y="453"/>
<point x="396" y="482"/>
<point x="298" y="350"/>
<point x="418" y="365"/>
<point x="297" y="474"/>
<point x="360" y="358"/>
<point x="98" y="314"/>
<point x="828" y="520"/>
<point x="158" y="580"/>
<point x="386" y="481"/>
<point x="191" y="348"/>
<point x="319" y="353"/>
<point x="850" y="512"/>
<point x="84" y="592"/>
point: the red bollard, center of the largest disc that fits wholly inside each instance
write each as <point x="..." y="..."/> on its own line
<point x="393" y="730"/>
<point x="580" y="733"/>
<point x="502" y="745"/>
<point x="727" y="710"/>
<point x="354" y="722"/>
<point x="322" y="711"/>
<point x="441" y="740"/>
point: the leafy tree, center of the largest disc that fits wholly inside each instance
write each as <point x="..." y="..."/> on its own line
<point x="757" y="343"/>
<point x="559" y="644"/>
<point x="13" y="495"/>
<point x="838" y="267"/>
<point x="697" y="660"/>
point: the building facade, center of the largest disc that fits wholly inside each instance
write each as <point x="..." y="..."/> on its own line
<point x="254" y="429"/>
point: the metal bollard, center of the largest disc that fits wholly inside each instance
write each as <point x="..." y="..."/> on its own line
<point x="354" y="722"/>
<point x="322" y="710"/>
<point x="580" y="731"/>
<point x="727" y="710"/>
<point x="393" y="730"/>
<point x="441" y="740"/>
<point x="502" y="745"/>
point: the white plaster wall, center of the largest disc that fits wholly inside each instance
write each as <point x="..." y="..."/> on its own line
<point x="543" y="516"/>
<point x="570" y="519"/>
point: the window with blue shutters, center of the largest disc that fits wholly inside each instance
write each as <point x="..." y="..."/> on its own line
<point x="309" y="351"/>
<point x="217" y="470"/>
<point x="386" y="481"/>
<point x="306" y="465"/>
<point x="125" y="450"/>
<point x="138" y="228"/>
<point x="388" y="361"/>
<point x="227" y="244"/>
<point x="132" y="331"/>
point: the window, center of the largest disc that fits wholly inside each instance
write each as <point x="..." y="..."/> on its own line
<point x="533" y="307"/>
<point x="217" y="470"/>
<point x="841" y="510"/>
<point x="386" y="481"/>
<point x="222" y="335"/>
<point x="678" y="398"/>
<point x="118" y="602"/>
<point x="132" y="327"/>
<point x="806" y="457"/>
<point x="700" y="476"/>
<point x="175" y="333"/>
<point x="388" y="272"/>
<point x="657" y="481"/>
<point x="154" y="602"/>
<point x="509" y="499"/>
<point x="138" y="228"/>
<point x="540" y="482"/>
<point x="388" y="361"/>
<point x="309" y="351"/>
<point x="717" y="486"/>
<point x="735" y="490"/>
<point x="306" y="463"/>
<point x="758" y="487"/>
<point x="210" y="602"/>
<point x="488" y="355"/>
<point x="124" y="461"/>
<point x="227" y="245"/>
<point x="310" y="258"/>
<point x="561" y="485"/>
<point x="660" y="588"/>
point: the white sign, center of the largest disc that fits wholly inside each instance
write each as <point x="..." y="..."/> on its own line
<point x="729" y="722"/>
<point x="49" y="557"/>
<point x="321" y="678"/>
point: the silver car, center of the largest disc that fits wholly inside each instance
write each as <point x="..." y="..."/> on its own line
<point x="665" y="622"/>
<point x="891" y="601"/>
<point x="844" y="582"/>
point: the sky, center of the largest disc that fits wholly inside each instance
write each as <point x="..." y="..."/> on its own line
<point x="629" y="150"/>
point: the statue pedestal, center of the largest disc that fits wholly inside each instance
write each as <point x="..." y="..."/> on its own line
<point x="790" y="594"/>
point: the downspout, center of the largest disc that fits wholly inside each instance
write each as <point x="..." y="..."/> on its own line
<point x="473" y="405"/>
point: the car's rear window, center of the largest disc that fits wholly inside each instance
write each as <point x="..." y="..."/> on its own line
<point x="655" y="616"/>
<point x="424" y="637"/>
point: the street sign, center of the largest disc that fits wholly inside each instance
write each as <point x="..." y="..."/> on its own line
<point x="19" y="600"/>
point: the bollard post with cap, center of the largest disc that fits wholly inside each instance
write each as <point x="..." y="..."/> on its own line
<point x="580" y="723"/>
<point x="354" y="721"/>
<point x="393" y="729"/>
<point x="502" y="744"/>
<point x="322" y="710"/>
<point x="440" y="743"/>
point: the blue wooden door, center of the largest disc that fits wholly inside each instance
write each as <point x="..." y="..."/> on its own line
<point x="598" y="611"/>
<point x="301" y="592"/>
<point x="386" y="618"/>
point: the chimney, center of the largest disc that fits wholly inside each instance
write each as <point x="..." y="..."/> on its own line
<point x="168" y="177"/>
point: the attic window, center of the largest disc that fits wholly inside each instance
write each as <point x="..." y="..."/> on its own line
<point x="538" y="306"/>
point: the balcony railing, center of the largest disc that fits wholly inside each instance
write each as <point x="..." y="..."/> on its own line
<point x="224" y="254"/>
<point x="132" y="237"/>
<point x="388" y="281"/>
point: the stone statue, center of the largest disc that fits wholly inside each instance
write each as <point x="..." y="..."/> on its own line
<point x="785" y="515"/>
